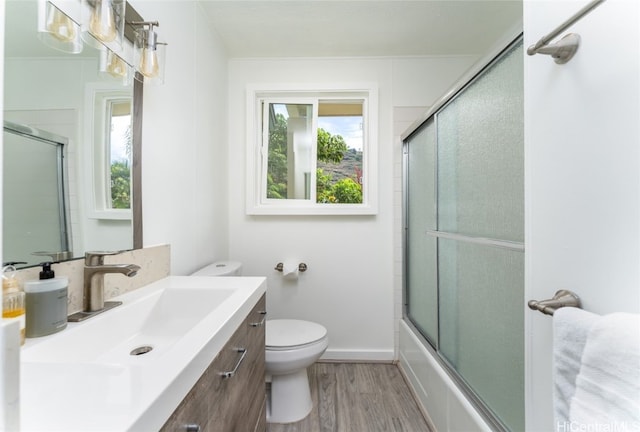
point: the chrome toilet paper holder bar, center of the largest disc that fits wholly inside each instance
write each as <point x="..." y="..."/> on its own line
<point x="301" y="267"/>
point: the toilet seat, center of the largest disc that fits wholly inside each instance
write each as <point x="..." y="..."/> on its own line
<point x="288" y="334"/>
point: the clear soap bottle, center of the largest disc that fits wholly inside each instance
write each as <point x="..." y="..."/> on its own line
<point x="13" y="299"/>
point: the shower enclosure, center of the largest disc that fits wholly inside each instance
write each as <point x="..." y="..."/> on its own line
<point x="464" y="237"/>
<point x="34" y="196"/>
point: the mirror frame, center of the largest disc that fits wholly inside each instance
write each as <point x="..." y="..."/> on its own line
<point x="131" y="15"/>
<point x="136" y="163"/>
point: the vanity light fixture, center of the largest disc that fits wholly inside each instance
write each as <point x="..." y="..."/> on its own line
<point x="57" y="30"/>
<point x="149" y="53"/>
<point x="114" y="66"/>
<point x="103" y="22"/>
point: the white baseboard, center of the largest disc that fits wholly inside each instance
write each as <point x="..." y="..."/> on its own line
<point x="358" y="356"/>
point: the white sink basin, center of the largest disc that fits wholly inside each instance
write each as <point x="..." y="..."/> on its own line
<point x="156" y="320"/>
<point x="85" y="377"/>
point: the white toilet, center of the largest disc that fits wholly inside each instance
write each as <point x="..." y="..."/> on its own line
<point x="291" y="347"/>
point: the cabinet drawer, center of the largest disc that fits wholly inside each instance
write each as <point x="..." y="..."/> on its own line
<point x="235" y="403"/>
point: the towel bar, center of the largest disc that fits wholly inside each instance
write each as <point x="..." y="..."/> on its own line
<point x="562" y="298"/>
<point x="563" y="50"/>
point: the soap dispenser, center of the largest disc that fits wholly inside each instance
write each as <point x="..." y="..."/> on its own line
<point x="13" y="302"/>
<point x="46" y="301"/>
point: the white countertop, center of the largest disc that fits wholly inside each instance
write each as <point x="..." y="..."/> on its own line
<point x="70" y="382"/>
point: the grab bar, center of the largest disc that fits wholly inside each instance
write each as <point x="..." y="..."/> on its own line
<point x="563" y="50"/>
<point x="562" y="298"/>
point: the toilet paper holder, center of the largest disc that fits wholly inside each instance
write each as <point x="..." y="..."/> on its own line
<point x="301" y="267"/>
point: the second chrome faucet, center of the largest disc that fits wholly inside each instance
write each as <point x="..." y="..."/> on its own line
<point x="93" y="290"/>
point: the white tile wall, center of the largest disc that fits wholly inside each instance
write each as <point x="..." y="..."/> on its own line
<point x="403" y="117"/>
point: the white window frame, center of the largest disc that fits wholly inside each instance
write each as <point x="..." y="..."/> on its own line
<point x="256" y="154"/>
<point x="98" y="99"/>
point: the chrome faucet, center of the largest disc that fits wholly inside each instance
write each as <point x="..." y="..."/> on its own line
<point x="93" y="291"/>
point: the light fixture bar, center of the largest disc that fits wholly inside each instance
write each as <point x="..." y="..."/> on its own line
<point x="149" y="52"/>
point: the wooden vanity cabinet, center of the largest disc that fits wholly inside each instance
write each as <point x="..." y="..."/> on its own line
<point x="236" y="403"/>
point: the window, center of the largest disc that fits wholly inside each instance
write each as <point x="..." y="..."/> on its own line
<point x="109" y="129"/>
<point x="118" y="146"/>
<point x="312" y="151"/>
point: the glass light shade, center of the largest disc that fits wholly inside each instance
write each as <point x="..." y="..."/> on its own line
<point x="113" y="67"/>
<point x="57" y="30"/>
<point x="150" y="56"/>
<point x="103" y="22"/>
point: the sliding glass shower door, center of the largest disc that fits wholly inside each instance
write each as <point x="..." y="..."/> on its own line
<point x="464" y="208"/>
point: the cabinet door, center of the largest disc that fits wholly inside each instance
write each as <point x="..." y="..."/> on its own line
<point x="240" y="399"/>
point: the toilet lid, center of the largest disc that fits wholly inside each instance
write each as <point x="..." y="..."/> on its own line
<point x="283" y="333"/>
<point x="220" y="268"/>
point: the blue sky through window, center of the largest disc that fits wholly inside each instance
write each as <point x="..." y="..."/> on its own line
<point x="349" y="127"/>
<point x="118" y="142"/>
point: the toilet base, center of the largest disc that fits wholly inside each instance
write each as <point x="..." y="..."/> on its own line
<point x="290" y="398"/>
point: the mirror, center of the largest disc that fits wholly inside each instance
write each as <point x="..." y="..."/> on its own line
<point x="66" y="189"/>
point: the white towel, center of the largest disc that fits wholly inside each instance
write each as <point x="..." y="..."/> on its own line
<point x="607" y="395"/>
<point x="570" y="329"/>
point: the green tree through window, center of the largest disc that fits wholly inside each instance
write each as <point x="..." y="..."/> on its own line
<point x="120" y="185"/>
<point x="332" y="151"/>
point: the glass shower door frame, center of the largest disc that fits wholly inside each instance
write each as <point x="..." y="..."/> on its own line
<point x="59" y="142"/>
<point x="434" y="346"/>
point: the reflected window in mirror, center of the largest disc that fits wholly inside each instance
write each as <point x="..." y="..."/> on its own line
<point x="110" y="133"/>
<point x="119" y="148"/>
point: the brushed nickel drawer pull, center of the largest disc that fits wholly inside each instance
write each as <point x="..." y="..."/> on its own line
<point x="261" y="323"/>
<point x="232" y="373"/>
<point x="192" y="427"/>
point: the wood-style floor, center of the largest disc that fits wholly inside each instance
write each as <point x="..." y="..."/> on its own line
<point x="358" y="398"/>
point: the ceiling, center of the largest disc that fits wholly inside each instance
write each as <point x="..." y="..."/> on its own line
<point x="329" y="28"/>
<point x="337" y="28"/>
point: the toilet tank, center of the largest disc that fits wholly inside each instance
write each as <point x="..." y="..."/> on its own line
<point x="220" y="268"/>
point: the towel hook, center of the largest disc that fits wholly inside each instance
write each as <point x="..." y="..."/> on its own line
<point x="562" y="298"/>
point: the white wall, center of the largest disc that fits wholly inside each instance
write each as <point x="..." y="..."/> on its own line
<point x="582" y="138"/>
<point x="184" y="170"/>
<point x="349" y="287"/>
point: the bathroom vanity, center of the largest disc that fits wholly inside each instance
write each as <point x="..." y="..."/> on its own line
<point x="154" y="363"/>
<point x="230" y="395"/>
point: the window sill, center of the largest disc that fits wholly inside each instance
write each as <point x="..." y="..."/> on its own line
<point x="312" y="209"/>
<point x="111" y="214"/>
